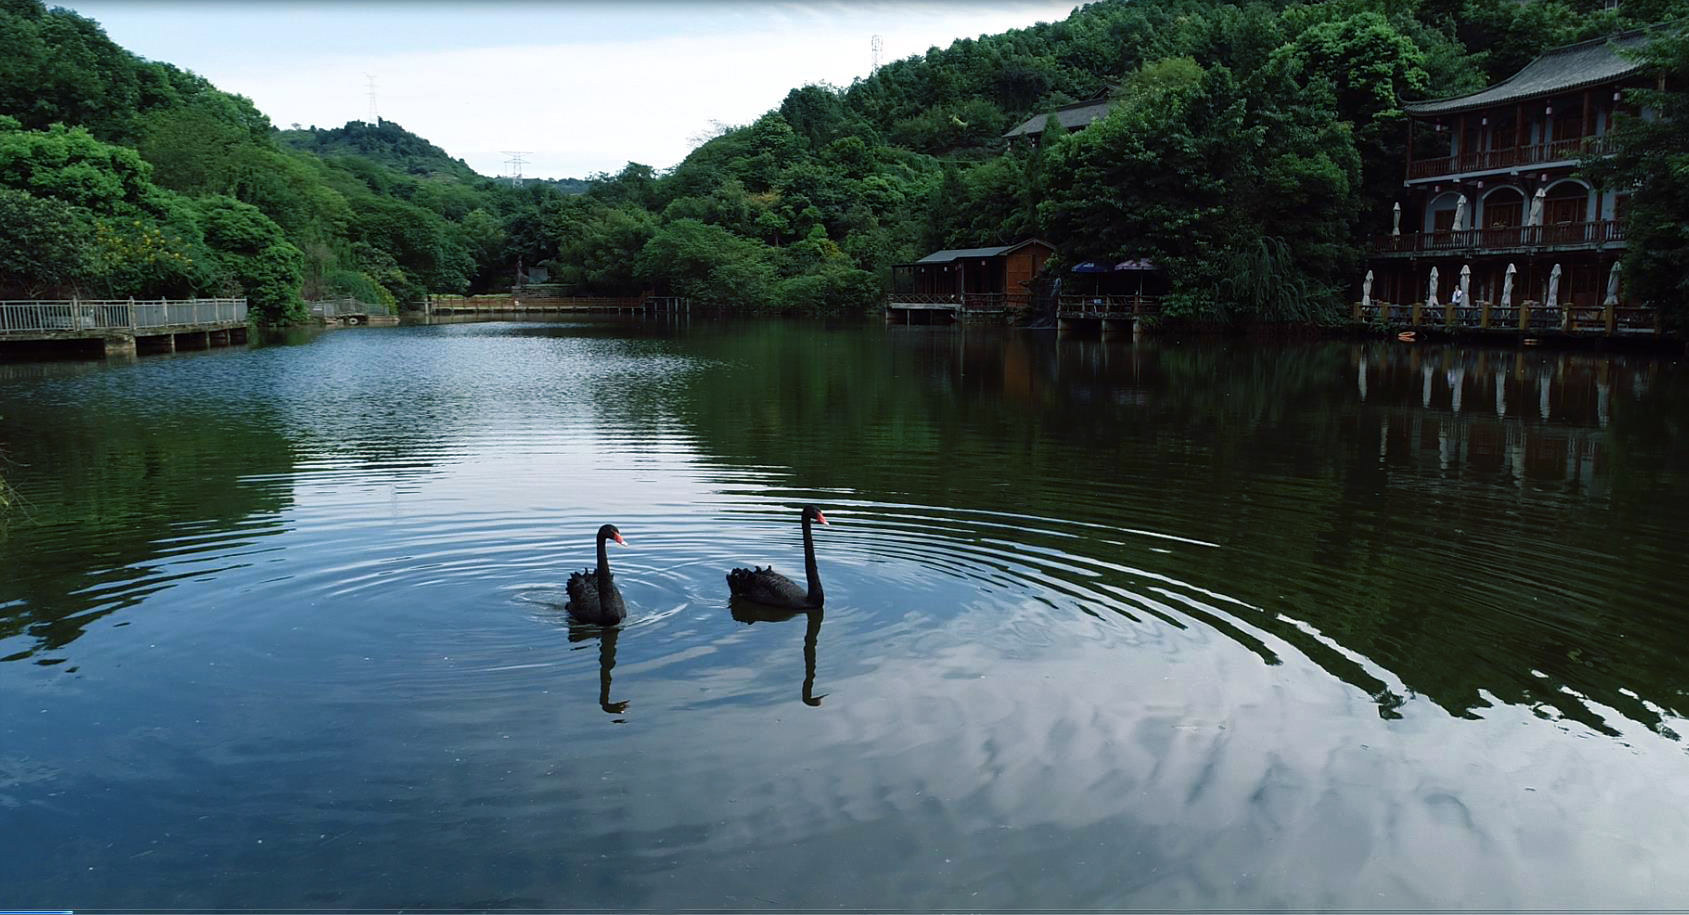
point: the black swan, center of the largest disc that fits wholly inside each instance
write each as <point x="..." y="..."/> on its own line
<point x="593" y="597"/>
<point x="771" y="589"/>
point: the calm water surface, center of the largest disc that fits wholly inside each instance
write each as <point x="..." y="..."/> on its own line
<point x="1108" y="625"/>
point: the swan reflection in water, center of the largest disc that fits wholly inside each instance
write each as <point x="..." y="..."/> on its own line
<point x="749" y="612"/>
<point x="606" y="661"/>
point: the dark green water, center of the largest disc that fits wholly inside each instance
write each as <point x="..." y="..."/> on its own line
<point x="1174" y="625"/>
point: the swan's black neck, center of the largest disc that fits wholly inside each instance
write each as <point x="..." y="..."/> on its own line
<point x="810" y="573"/>
<point x="811" y="634"/>
<point x="604" y="577"/>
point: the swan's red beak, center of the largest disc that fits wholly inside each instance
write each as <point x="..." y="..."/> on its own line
<point x="821" y="518"/>
<point x="619" y="539"/>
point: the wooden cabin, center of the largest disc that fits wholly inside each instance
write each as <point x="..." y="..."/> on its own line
<point x="968" y="280"/>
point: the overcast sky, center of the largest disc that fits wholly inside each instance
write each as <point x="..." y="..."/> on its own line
<point x="578" y="87"/>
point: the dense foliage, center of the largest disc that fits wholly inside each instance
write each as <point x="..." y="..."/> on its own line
<point x="1651" y="158"/>
<point x="1248" y="148"/>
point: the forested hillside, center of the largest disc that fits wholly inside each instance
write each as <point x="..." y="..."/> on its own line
<point x="1248" y="149"/>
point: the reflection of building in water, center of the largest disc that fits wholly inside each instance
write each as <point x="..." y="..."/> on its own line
<point x="1535" y="417"/>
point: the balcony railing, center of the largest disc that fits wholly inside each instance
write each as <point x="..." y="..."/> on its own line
<point x="1107" y="306"/>
<point x="1485" y="160"/>
<point x="1501" y="238"/>
<point x="1524" y="317"/>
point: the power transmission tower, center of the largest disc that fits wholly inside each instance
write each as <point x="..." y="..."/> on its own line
<point x="374" y="116"/>
<point x="875" y="44"/>
<point x="515" y="162"/>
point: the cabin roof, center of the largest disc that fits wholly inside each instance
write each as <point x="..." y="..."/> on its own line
<point x="1073" y="117"/>
<point x="945" y="257"/>
<point x="1575" y="66"/>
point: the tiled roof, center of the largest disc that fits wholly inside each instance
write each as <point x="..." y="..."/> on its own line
<point x="945" y="257"/>
<point x="1574" y="66"/>
<point x="1071" y="117"/>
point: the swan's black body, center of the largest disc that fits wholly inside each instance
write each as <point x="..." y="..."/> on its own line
<point x="770" y="588"/>
<point x="593" y="597"/>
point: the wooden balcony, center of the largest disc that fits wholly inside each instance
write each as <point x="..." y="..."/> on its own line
<point x="1503" y="239"/>
<point x="1507" y="158"/>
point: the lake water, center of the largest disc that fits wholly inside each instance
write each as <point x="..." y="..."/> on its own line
<point x="1173" y="624"/>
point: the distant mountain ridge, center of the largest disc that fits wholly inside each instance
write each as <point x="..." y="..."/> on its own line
<point x="385" y="142"/>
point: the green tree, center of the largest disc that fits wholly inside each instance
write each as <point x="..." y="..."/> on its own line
<point x="1651" y="160"/>
<point x="258" y="258"/>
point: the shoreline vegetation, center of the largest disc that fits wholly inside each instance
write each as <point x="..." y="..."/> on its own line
<point x="1247" y="149"/>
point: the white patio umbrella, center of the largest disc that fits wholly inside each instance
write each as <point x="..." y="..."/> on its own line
<point x="1553" y="298"/>
<point x="1535" y="217"/>
<point x="1507" y="286"/>
<point x="1396" y="224"/>
<point x="1366" y="290"/>
<point x="1460" y="212"/>
<point x="1465" y="285"/>
<point x="1612" y="286"/>
<point x="1431" y="295"/>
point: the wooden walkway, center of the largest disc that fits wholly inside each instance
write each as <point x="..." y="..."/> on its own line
<point x="120" y="326"/>
<point x="508" y="304"/>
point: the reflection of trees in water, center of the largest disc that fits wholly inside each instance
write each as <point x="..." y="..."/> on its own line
<point x="111" y="498"/>
<point x="749" y="613"/>
<point x="1460" y="542"/>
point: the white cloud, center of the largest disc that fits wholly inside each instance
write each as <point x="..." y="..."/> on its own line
<point x="618" y="84"/>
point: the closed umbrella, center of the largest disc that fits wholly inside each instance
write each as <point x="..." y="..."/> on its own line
<point x="1431" y="296"/>
<point x="1553" y="287"/>
<point x="1396" y="224"/>
<point x="1465" y="285"/>
<point x="1460" y="213"/>
<point x="1535" y="217"/>
<point x="1612" y="285"/>
<point x="1366" y="290"/>
<point x="1507" y="286"/>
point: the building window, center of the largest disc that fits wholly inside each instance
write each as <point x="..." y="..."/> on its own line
<point x="1565" y="204"/>
<point x="1503" y="210"/>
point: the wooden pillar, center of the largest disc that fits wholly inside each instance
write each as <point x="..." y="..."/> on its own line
<point x="1520" y="135"/>
<point x="1588" y="113"/>
<point x="1609" y="317"/>
<point x="1458" y="166"/>
<point x="1484" y="317"/>
<point x="1448" y="313"/>
<point x="1414" y="317"/>
<point x="1409" y="147"/>
<point x="1525" y="315"/>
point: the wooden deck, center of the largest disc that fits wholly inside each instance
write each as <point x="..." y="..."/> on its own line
<point x="121" y="326"/>
<point x="930" y="308"/>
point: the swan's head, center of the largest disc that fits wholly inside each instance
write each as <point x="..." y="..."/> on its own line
<point x="609" y="532"/>
<point x="811" y="513"/>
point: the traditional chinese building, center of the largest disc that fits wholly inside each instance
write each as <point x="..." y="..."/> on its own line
<point x="1498" y="204"/>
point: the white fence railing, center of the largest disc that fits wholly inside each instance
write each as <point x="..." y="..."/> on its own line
<point x="25" y="317"/>
<point x="333" y="308"/>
